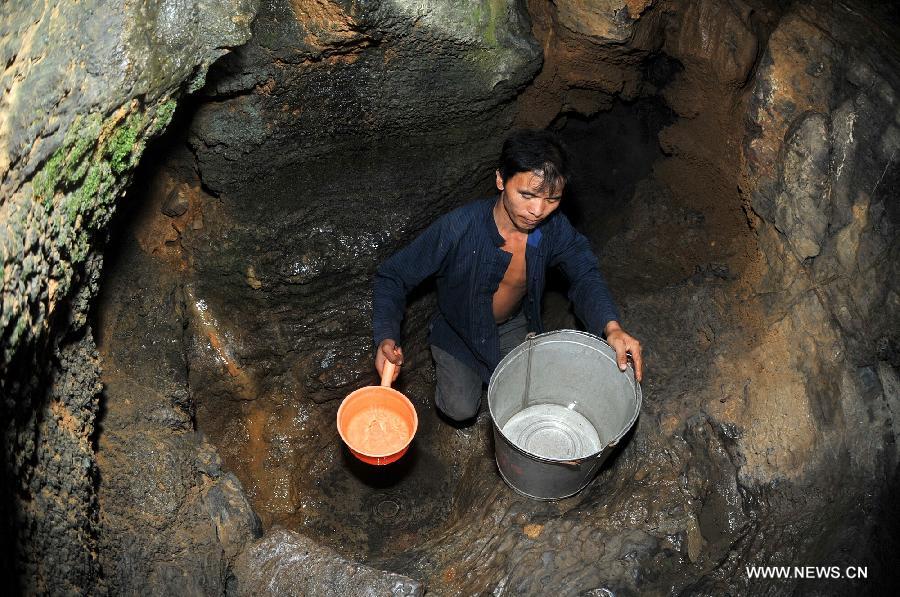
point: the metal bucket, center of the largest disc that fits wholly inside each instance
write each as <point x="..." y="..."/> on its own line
<point x="560" y="405"/>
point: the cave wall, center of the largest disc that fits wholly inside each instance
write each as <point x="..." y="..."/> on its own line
<point x="771" y="106"/>
<point x="820" y="167"/>
<point x="820" y="171"/>
<point x="696" y="57"/>
<point x="84" y="86"/>
<point x="334" y="135"/>
<point x="329" y="142"/>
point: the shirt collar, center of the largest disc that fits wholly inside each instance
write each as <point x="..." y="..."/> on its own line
<point x="490" y="224"/>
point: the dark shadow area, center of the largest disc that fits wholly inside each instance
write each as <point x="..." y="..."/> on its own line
<point x="884" y="543"/>
<point x="611" y="153"/>
<point x="370" y="510"/>
<point x="381" y="476"/>
<point x="11" y="494"/>
<point x="465" y="423"/>
<point x="122" y="224"/>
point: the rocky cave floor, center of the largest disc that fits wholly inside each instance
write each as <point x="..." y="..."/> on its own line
<point x="667" y="510"/>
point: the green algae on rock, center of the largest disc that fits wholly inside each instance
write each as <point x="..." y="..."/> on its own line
<point x="85" y="86"/>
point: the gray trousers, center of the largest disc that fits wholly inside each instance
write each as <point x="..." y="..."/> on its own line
<point x="458" y="390"/>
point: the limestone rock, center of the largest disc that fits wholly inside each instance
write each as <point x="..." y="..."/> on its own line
<point x="608" y="21"/>
<point x="284" y="562"/>
<point x="84" y="86"/>
<point x="173" y="520"/>
<point x="715" y="36"/>
<point x="236" y="523"/>
<point x="176" y="203"/>
<point x="815" y="178"/>
<point x="802" y="208"/>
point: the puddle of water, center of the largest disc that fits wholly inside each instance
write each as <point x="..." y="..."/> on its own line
<point x="387" y="508"/>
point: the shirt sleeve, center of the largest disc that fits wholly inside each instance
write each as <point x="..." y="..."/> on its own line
<point x="588" y="291"/>
<point x="402" y="272"/>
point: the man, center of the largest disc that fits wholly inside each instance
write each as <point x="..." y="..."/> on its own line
<point x="490" y="259"/>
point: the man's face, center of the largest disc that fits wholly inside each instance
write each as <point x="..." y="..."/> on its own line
<point x="526" y="199"/>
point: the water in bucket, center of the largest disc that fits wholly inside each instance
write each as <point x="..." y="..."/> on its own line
<point x="553" y="431"/>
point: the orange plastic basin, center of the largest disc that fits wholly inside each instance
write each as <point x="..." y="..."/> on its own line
<point x="377" y="422"/>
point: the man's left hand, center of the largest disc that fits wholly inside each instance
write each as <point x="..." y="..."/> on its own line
<point x="625" y="345"/>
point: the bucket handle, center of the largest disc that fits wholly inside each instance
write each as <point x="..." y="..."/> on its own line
<point x="530" y="339"/>
<point x="387" y="373"/>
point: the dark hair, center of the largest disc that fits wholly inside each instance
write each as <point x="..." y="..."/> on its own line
<point x="537" y="151"/>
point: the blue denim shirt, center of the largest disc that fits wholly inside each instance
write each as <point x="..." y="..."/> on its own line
<point x="462" y="249"/>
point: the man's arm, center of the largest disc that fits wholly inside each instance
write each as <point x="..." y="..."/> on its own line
<point x="396" y="277"/>
<point x="590" y="295"/>
<point x="587" y="289"/>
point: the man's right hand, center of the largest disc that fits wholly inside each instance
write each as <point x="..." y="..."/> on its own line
<point x="388" y="351"/>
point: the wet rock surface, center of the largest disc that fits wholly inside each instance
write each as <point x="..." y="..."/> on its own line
<point x="172" y="518"/>
<point x="84" y="86"/>
<point x="339" y="150"/>
<point x="287" y="563"/>
<point x="662" y="512"/>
